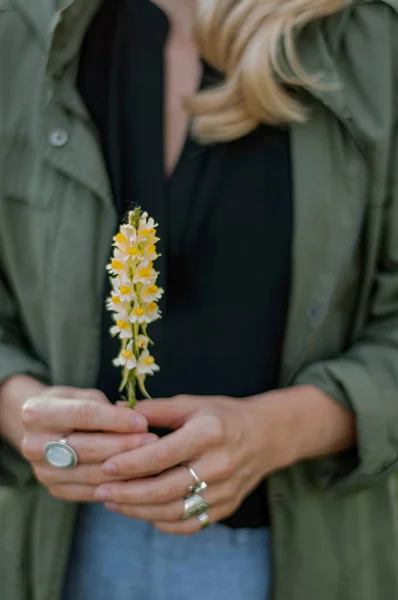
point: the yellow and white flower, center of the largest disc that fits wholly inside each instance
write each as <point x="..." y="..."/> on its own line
<point x="150" y="293"/>
<point x="146" y="364"/>
<point x="143" y="341"/>
<point x="123" y="327"/>
<point x="145" y="273"/>
<point x="116" y="305"/>
<point x="138" y="315"/>
<point x="117" y="267"/>
<point x="125" y="289"/>
<point x="126" y="358"/>
<point x="125" y="237"/>
<point x="153" y="312"/>
<point x="147" y="230"/>
<point x="134" y="299"/>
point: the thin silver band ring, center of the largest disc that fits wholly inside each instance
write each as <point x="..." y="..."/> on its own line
<point x="199" y="486"/>
<point x="204" y="520"/>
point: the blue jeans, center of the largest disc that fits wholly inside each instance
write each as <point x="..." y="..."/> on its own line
<point x="117" y="558"/>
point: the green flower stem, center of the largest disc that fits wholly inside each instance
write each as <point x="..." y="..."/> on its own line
<point x="131" y="396"/>
<point x="136" y="332"/>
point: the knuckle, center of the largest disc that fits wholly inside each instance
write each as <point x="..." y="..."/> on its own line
<point x="94" y="395"/>
<point x="129" y="442"/>
<point x="224" y="466"/>
<point x="173" y="513"/>
<point x="28" y="448"/>
<point x="122" y="496"/>
<point x="83" y="414"/>
<point x="228" y="492"/>
<point x="95" y="477"/>
<point x="88" y="451"/>
<point x="162" y="495"/>
<point x="213" y="428"/>
<point x="30" y="412"/>
<point x="161" y="456"/>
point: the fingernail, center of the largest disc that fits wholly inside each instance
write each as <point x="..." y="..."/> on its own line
<point x="110" y="468"/>
<point x="139" y="422"/>
<point x="111" y="506"/>
<point x="149" y="440"/>
<point x="103" y="494"/>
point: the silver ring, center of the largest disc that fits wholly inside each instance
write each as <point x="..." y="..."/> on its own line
<point x="204" y="520"/>
<point x="60" y="455"/>
<point x="194" y="505"/>
<point x="199" y="485"/>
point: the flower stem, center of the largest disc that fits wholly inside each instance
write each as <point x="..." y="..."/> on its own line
<point x="131" y="397"/>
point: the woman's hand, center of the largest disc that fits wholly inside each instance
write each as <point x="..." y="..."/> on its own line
<point x="224" y="440"/>
<point x="93" y="427"/>
<point x="231" y="444"/>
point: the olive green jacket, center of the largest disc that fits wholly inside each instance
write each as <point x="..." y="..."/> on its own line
<point x="334" y="528"/>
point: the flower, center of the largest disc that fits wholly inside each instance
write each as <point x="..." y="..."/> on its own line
<point x="138" y="315"/>
<point x="134" y="299"/>
<point x="126" y="358"/>
<point x="150" y="292"/>
<point x="147" y="230"/>
<point x="117" y="267"/>
<point x="146" y="364"/>
<point x="122" y="328"/>
<point x="125" y="289"/>
<point x="143" y="341"/>
<point x="145" y="273"/>
<point x="153" y="312"/>
<point x="115" y="304"/>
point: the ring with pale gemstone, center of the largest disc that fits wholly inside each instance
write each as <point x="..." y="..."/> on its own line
<point x="60" y="455"/>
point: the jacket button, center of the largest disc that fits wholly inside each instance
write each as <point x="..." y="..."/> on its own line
<point x="58" y="138"/>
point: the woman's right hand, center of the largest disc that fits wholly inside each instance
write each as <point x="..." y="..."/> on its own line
<point x="95" y="429"/>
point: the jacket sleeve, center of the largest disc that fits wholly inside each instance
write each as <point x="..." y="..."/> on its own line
<point x="365" y="378"/>
<point x="16" y="356"/>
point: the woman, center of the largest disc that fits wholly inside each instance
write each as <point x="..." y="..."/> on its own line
<point x="262" y="136"/>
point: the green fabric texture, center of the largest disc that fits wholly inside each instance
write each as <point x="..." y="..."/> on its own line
<point x="334" y="527"/>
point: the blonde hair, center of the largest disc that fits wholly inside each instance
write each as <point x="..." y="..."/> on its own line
<point x="252" y="43"/>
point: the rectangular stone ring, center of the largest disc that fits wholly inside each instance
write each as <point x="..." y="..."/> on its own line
<point x="194" y="505"/>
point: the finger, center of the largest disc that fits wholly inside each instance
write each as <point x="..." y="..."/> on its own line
<point x="193" y="525"/>
<point x="73" y="492"/>
<point x="181" y="446"/>
<point x="170" y="413"/>
<point x="65" y="391"/>
<point x="64" y="414"/>
<point x="82" y="474"/>
<point x="177" y="526"/>
<point x="170" y="512"/>
<point x="165" y="511"/>
<point x="89" y="447"/>
<point x="166" y="487"/>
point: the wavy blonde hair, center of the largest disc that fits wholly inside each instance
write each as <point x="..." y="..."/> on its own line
<point x="252" y="43"/>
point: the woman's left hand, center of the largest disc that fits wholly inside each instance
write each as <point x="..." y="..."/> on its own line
<point x="231" y="444"/>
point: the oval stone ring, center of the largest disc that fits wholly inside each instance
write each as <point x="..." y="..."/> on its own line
<point x="60" y="455"/>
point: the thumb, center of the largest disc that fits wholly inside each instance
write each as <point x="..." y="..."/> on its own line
<point x="170" y="412"/>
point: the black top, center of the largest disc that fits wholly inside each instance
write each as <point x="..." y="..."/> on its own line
<point x="225" y="219"/>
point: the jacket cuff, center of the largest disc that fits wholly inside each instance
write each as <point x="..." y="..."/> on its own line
<point x="376" y="410"/>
